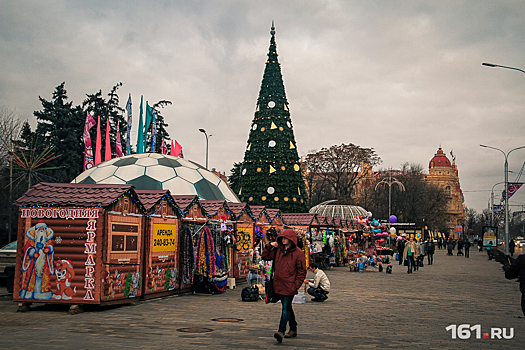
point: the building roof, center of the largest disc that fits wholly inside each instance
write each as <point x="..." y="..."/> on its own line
<point x="440" y="159"/>
<point x="149" y="198"/>
<point x="297" y="218"/>
<point x="66" y="194"/>
<point x="185" y="201"/>
<point x="212" y="207"/>
<point x="238" y="208"/>
<point x="256" y="210"/>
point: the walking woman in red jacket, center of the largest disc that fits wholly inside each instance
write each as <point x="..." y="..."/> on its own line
<point x="289" y="271"/>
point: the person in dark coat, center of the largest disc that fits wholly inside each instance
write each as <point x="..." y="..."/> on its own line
<point x="430" y="248"/>
<point x="400" y="249"/>
<point x="289" y="272"/>
<point x="466" y="246"/>
<point x="517" y="268"/>
<point x="450" y="246"/>
<point x="460" y="247"/>
<point x="512" y="246"/>
<point x="480" y="245"/>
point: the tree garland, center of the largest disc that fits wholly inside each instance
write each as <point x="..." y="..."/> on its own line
<point x="188" y="257"/>
<point x="205" y="254"/>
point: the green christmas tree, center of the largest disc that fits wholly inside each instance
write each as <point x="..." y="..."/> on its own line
<point x="271" y="172"/>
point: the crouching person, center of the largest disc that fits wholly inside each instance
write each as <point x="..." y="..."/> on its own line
<point x="319" y="286"/>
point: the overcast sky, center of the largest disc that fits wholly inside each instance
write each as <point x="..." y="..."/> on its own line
<point x="402" y="77"/>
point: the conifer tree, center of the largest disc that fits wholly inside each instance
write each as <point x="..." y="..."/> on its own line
<point x="271" y="173"/>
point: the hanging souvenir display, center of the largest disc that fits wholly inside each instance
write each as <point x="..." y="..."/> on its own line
<point x="205" y="254"/>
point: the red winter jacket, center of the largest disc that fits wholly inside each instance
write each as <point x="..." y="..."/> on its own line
<point x="289" y="266"/>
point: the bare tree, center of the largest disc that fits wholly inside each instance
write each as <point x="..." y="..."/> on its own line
<point x="338" y="167"/>
<point x="10" y="129"/>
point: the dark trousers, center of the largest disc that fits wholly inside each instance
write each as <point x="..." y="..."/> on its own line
<point x="467" y="253"/>
<point x="430" y="257"/>
<point x="410" y="260"/>
<point x="488" y="254"/>
<point x="523" y="304"/>
<point x="401" y="259"/>
<point x="318" y="293"/>
<point x="287" y="315"/>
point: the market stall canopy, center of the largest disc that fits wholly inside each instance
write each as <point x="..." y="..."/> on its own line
<point x="339" y="211"/>
<point x="154" y="171"/>
<point x="149" y="198"/>
<point x="303" y="219"/>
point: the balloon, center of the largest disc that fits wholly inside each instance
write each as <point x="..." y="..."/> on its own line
<point x="392" y="230"/>
<point x="392" y="219"/>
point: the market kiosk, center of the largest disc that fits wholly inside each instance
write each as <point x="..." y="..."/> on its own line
<point x="161" y="258"/>
<point x="79" y="244"/>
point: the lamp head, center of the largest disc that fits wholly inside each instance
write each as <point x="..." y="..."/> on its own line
<point x="488" y="64"/>
<point x="202" y="130"/>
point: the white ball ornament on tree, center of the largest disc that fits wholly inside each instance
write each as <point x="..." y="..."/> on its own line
<point x="270" y="190"/>
<point x="288" y="124"/>
<point x="272" y="143"/>
<point x="254" y="127"/>
<point x="244" y="171"/>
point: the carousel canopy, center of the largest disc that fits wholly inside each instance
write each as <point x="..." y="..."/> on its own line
<point x="338" y="211"/>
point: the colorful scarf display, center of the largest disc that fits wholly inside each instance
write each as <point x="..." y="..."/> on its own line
<point x="205" y="254"/>
<point x="188" y="268"/>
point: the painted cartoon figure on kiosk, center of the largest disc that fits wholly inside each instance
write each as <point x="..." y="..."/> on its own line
<point x="37" y="264"/>
<point x="64" y="275"/>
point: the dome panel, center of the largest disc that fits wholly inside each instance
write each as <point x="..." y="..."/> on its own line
<point x="227" y="192"/>
<point x="127" y="160"/>
<point x="208" y="191"/>
<point x="169" y="162"/>
<point x="103" y="172"/>
<point x="155" y="155"/>
<point x="130" y="172"/>
<point x="145" y="182"/>
<point x="182" y="186"/>
<point x="187" y="174"/>
<point x="339" y="211"/>
<point x="147" y="161"/>
<point x="161" y="173"/>
<point x="211" y="177"/>
<point x="83" y="175"/>
<point x="108" y="162"/>
<point x="112" y="180"/>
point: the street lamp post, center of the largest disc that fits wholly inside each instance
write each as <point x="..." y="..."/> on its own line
<point x="491" y="211"/>
<point x="390" y="181"/>
<point x="492" y="65"/>
<point x="506" y="193"/>
<point x="207" y="137"/>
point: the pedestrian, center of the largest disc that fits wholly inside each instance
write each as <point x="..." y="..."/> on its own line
<point x="289" y="272"/>
<point x="512" y="246"/>
<point x="410" y="253"/>
<point x="489" y="246"/>
<point x="517" y="268"/>
<point x="450" y="246"/>
<point x="420" y="253"/>
<point x="430" y="248"/>
<point x="466" y="246"/>
<point x="480" y="245"/>
<point x="460" y="247"/>
<point x="439" y="243"/>
<point x="401" y="249"/>
<point x="320" y="285"/>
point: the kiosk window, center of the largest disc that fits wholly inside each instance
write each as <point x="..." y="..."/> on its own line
<point x="124" y="237"/>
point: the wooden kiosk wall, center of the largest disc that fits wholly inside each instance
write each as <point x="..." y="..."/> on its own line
<point x="162" y="262"/>
<point x="89" y="255"/>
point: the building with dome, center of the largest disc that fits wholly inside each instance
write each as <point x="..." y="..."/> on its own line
<point x="444" y="173"/>
<point x="343" y="211"/>
<point x="154" y="171"/>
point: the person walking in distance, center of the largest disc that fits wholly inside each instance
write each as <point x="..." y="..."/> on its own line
<point x="480" y="245"/>
<point x="512" y="246"/>
<point x="450" y="246"/>
<point x="401" y="249"/>
<point x="489" y="247"/>
<point x="466" y="246"/>
<point x="289" y="272"/>
<point x="430" y="248"/>
<point x="410" y="253"/>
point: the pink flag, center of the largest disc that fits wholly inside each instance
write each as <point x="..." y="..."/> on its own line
<point x="98" y="146"/>
<point x="119" y="144"/>
<point x="163" y="147"/>
<point x="108" y="145"/>
<point x="172" y="149"/>
<point x="178" y="150"/>
<point x="88" y="150"/>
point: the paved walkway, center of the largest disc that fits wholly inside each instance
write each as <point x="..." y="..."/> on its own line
<point x="368" y="310"/>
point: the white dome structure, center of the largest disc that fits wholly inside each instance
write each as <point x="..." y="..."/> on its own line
<point x="339" y="211"/>
<point x="154" y="171"/>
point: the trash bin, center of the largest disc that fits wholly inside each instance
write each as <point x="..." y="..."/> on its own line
<point x="10" y="273"/>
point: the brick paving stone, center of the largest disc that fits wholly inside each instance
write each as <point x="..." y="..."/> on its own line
<point x="364" y="311"/>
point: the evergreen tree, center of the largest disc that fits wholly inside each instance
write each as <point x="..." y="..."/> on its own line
<point x="60" y="125"/>
<point x="162" y="133"/>
<point x="98" y="106"/>
<point x="234" y="180"/>
<point x="271" y="172"/>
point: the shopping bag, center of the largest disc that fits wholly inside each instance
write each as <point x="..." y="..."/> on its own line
<point x="406" y="262"/>
<point x="271" y="296"/>
<point x="397" y="256"/>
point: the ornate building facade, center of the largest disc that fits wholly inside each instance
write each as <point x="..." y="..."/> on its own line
<point x="445" y="174"/>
